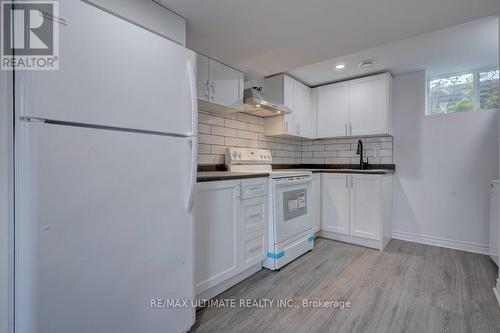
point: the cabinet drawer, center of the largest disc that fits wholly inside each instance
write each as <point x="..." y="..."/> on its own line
<point x="253" y="188"/>
<point x="254" y="246"/>
<point x="253" y="215"/>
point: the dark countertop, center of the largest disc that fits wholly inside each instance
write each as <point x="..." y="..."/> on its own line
<point x="208" y="173"/>
<point x="352" y="171"/>
<point x="373" y="169"/>
<point x="211" y="176"/>
<point x="334" y="166"/>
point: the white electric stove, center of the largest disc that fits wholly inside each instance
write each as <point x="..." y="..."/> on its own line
<point x="290" y="226"/>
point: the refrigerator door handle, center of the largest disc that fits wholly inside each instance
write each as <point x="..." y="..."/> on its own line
<point x="194" y="99"/>
<point x="192" y="176"/>
<point x="193" y="137"/>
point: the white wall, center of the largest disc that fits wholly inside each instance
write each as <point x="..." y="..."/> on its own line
<point x="6" y="208"/>
<point x="444" y="167"/>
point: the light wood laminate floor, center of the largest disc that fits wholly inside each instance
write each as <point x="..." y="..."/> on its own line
<point x="407" y="288"/>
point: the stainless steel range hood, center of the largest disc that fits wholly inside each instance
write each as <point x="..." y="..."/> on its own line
<point x="260" y="105"/>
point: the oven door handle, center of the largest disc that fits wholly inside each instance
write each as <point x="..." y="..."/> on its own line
<point x="288" y="182"/>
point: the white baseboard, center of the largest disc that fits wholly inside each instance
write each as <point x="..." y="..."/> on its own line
<point x="441" y="242"/>
<point x="495" y="291"/>
<point x="374" y="244"/>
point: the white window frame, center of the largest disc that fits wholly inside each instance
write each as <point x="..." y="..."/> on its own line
<point x="475" y="93"/>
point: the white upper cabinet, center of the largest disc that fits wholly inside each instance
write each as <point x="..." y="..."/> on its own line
<point x="314" y="112"/>
<point x="220" y="87"/>
<point x="369" y="105"/>
<point x="289" y="94"/>
<point x="333" y="110"/>
<point x="226" y="85"/>
<point x="352" y="108"/>
<point x="305" y="113"/>
<point x="357" y="107"/>
<point x="202" y="81"/>
<point x="298" y="98"/>
<point x="281" y="89"/>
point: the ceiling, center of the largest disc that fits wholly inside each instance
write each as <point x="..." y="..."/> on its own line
<point x="473" y="45"/>
<point x="264" y="37"/>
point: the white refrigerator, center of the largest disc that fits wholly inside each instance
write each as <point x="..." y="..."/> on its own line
<point x="105" y="159"/>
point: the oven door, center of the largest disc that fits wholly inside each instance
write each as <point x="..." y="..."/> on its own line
<point x="292" y="214"/>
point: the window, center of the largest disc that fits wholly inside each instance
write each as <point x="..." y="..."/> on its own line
<point x="488" y="90"/>
<point x="468" y="91"/>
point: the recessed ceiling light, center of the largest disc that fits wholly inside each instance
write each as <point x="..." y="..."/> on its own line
<point x="366" y="63"/>
<point x="258" y="105"/>
<point x="340" y="67"/>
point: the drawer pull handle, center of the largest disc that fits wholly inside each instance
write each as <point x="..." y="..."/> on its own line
<point x="254" y="249"/>
<point x="254" y="215"/>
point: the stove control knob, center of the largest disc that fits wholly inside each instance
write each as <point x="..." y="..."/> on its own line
<point x="239" y="154"/>
<point x="234" y="154"/>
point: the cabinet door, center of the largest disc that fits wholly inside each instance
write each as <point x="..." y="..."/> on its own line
<point x="253" y="248"/>
<point x="335" y="203"/>
<point x="253" y="215"/>
<point x="314" y="201"/>
<point x="366" y="206"/>
<point x="217" y="223"/>
<point x="305" y="119"/>
<point x="333" y="110"/>
<point x="314" y="113"/>
<point x="369" y="105"/>
<point x="226" y="85"/>
<point x="289" y="101"/>
<point x="202" y="82"/>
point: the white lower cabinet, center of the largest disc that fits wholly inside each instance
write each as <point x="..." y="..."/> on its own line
<point x="357" y="208"/>
<point x="231" y="220"/>
<point x="230" y="233"/>
<point x="335" y="203"/>
<point x="366" y="206"/>
<point x="253" y="248"/>
<point x="217" y="214"/>
<point x="314" y="200"/>
<point x="253" y="215"/>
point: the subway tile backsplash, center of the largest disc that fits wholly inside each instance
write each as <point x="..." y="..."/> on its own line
<point x="217" y="131"/>
<point x="378" y="150"/>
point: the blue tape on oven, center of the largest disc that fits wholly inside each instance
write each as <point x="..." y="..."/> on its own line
<point x="278" y="255"/>
<point x="311" y="238"/>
